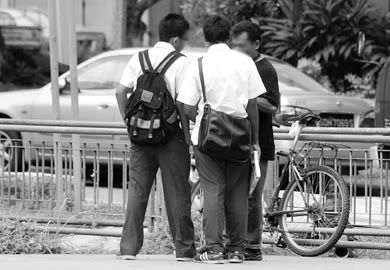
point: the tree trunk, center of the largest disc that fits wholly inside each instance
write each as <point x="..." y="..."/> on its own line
<point x="297" y="10"/>
<point x="135" y="27"/>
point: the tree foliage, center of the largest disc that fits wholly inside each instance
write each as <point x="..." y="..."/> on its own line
<point x="323" y="30"/>
<point x="327" y="32"/>
<point x="135" y="27"/>
<point x="236" y="10"/>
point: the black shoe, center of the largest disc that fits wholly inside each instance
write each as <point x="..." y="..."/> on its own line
<point x="236" y="257"/>
<point x="202" y="249"/>
<point x="253" y="254"/>
<point x="209" y="257"/>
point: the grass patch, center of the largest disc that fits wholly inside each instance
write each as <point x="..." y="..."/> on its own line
<point x="372" y="254"/>
<point x="31" y="190"/>
<point x="21" y="238"/>
<point x="161" y="243"/>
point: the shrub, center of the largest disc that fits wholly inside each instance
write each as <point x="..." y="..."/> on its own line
<point x="314" y="69"/>
<point x="20" y="238"/>
<point x="360" y="86"/>
<point x="327" y="32"/>
<point x="161" y="243"/>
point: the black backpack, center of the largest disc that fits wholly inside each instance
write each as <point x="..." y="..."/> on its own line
<point x="151" y="116"/>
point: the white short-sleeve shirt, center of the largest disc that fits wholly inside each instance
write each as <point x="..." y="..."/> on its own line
<point x="231" y="79"/>
<point x="174" y="76"/>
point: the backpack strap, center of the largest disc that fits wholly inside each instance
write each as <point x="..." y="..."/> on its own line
<point x="168" y="61"/>
<point x="147" y="58"/>
<point x="200" y="64"/>
<point x="144" y="60"/>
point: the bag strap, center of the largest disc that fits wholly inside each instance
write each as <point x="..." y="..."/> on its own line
<point x="144" y="58"/>
<point x="147" y="58"/>
<point x="200" y="64"/>
<point x="167" y="62"/>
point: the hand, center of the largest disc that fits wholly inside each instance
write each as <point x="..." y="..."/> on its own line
<point x="256" y="147"/>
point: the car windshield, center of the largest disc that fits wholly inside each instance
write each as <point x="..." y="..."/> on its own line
<point x="293" y="80"/>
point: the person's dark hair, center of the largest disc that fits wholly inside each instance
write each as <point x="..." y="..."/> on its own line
<point x="172" y="25"/>
<point x="217" y="29"/>
<point x="252" y="29"/>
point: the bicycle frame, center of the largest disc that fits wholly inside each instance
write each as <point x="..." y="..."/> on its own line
<point x="292" y="168"/>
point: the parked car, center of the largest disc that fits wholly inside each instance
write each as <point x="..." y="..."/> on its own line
<point x="19" y="31"/>
<point x="99" y="76"/>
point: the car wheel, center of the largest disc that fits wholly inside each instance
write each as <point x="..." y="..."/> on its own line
<point x="10" y="151"/>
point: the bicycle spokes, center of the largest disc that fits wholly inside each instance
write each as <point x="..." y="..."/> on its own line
<point x="314" y="207"/>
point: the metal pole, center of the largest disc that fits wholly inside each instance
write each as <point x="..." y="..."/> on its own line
<point x="306" y="131"/>
<point x="119" y="25"/>
<point x="98" y="232"/>
<point x="77" y="221"/>
<point x="52" y="7"/>
<point x="74" y="92"/>
<point x="63" y="123"/>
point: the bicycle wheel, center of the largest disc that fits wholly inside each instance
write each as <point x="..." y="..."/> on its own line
<point x="319" y="211"/>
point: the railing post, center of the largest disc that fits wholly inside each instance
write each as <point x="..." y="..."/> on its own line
<point x="75" y="103"/>
<point x="52" y="6"/>
<point x="58" y="171"/>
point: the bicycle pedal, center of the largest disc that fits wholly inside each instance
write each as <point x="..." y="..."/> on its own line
<point x="280" y="243"/>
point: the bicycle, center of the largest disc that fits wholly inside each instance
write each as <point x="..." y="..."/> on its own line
<point x="310" y="215"/>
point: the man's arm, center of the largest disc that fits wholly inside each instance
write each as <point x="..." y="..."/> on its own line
<point x="126" y="84"/>
<point x="253" y="115"/>
<point x="185" y="122"/>
<point x="265" y="106"/>
<point x="255" y="89"/>
<point x="269" y="101"/>
<point x="121" y="98"/>
<point x="188" y="98"/>
<point x="191" y="112"/>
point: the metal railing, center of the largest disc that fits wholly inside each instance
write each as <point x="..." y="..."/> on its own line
<point x="39" y="177"/>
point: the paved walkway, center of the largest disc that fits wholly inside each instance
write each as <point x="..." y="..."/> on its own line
<point x="108" y="262"/>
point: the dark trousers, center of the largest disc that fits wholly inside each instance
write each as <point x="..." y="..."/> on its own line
<point x="174" y="161"/>
<point x="225" y="186"/>
<point x="255" y="212"/>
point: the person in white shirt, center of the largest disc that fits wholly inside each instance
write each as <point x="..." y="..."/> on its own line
<point x="232" y="85"/>
<point x="172" y="158"/>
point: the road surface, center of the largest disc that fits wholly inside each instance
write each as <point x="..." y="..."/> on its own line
<point x="146" y="262"/>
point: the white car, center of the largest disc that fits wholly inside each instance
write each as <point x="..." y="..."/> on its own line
<point x="99" y="76"/>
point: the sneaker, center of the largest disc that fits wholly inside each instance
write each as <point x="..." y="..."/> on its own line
<point x="202" y="249"/>
<point x="209" y="257"/>
<point x="236" y="257"/>
<point x="126" y="257"/>
<point x="253" y="255"/>
<point x="185" y="259"/>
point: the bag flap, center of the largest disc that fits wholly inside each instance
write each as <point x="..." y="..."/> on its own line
<point x="151" y="98"/>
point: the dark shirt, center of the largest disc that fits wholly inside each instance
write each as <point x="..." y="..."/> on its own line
<point x="270" y="80"/>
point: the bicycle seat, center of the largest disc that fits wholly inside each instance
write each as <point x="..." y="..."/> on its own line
<point x="306" y="119"/>
<point x="282" y="153"/>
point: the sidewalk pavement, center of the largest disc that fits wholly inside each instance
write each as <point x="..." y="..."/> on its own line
<point x="146" y="262"/>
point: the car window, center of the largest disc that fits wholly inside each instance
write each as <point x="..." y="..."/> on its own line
<point x="291" y="80"/>
<point x="6" y="19"/>
<point x="104" y="73"/>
